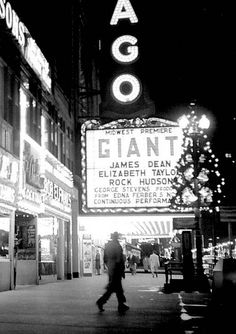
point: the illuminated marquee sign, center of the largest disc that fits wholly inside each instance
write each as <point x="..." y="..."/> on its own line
<point x="7" y="193"/>
<point x="29" y="48"/>
<point x="9" y="167"/>
<point x="33" y="166"/>
<point x="129" y="168"/>
<point x="56" y="196"/>
<point x="32" y="195"/>
<point x="12" y="21"/>
<point x="125" y="88"/>
<point x="37" y="61"/>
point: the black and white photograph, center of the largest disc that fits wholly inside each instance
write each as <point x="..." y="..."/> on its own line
<point x="117" y="167"/>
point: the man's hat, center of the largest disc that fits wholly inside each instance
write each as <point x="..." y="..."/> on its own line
<point x="115" y="236"/>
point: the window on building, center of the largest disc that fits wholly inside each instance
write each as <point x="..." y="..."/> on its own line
<point x="50" y="135"/>
<point x="33" y="116"/>
<point x="9" y="94"/>
<point x="9" y="110"/>
<point x="62" y="148"/>
<point x="1" y="91"/>
<point x="58" y="140"/>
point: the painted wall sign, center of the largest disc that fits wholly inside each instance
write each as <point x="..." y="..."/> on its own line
<point x="129" y="167"/>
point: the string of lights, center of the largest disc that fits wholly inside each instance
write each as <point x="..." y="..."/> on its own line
<point x="197" y="163"/>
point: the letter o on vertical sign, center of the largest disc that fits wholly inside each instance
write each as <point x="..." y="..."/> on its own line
<point x="126" y="88"/>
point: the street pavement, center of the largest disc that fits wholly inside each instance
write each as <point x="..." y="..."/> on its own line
<point x="69" y="307"/>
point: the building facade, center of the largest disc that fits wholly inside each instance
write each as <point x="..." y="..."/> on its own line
<point x="36" y="162"/>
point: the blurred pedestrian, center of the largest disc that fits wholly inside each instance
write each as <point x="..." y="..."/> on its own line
<point x="132" y="264"/>
<point x="145" y="264"/>
<point x="15" y="264"/>
<point x="97" y="263"/>
<point x="114" y="260"/>
<point x="154" y="264"/>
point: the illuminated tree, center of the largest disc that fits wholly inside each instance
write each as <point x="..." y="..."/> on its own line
<point x="198" y="180"/>
<point x="197" y="184"/>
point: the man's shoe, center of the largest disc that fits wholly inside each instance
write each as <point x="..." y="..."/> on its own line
<point x="100" y="306"/>
<point x="123" y="308"/>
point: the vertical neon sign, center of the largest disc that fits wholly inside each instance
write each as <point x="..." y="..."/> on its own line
<point x="125" y="88"/>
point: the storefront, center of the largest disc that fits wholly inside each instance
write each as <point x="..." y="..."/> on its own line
<point x="55" y="224"/>
<point x="48" y="242"/>
<point x="29" y="205"/>
<point x="9" y="169"/>
<point x="26" y="244"/>
<point x="35" y="209"/>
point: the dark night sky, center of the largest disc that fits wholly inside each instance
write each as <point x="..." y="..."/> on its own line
<point x="187" y="51"/>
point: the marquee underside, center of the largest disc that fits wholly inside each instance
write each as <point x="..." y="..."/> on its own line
<point x="136" y="226"/>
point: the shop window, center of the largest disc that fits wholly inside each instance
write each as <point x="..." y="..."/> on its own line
<point x="26" y="237"/>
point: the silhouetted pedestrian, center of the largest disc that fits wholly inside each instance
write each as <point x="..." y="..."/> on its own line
<point x="145" y="264"/>
<point x="15" y="264"/>
<point x="114" y="260"/>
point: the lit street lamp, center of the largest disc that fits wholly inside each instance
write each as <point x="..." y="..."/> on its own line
<point x="195" y="126"/>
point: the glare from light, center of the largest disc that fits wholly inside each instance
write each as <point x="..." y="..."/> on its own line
<point x="204" y="122"/>
<point x="183" y="121"/>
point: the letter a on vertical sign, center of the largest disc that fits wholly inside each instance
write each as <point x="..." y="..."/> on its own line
<point x="123" y="10"/>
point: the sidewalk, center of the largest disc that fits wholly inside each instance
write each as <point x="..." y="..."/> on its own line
<point x="68" y="307"/>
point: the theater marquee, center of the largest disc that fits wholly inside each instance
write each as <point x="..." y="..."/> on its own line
<point x="127" y="165"/>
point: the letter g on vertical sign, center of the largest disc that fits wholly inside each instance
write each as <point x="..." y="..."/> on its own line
<point x="124" y="49"/>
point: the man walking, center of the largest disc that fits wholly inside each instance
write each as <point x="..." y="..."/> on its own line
<point x="114" y="260"/>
